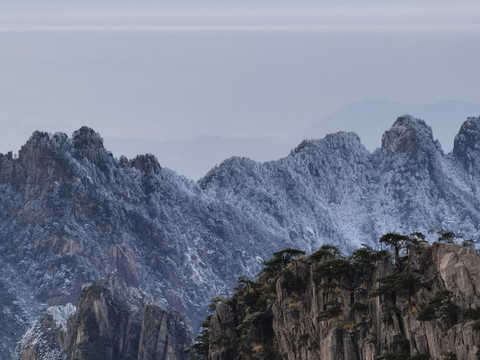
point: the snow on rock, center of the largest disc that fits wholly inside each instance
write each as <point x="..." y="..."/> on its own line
<point x="60" y="314"/>
<point x="72" y="213"/>
<point x="46" y="335"/>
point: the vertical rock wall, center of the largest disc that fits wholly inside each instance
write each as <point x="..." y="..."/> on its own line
<point x="422" y="305"/>
<point x="111" y="322"/>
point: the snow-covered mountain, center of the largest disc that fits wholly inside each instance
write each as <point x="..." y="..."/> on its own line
<point x="370" y="119"/>
<point x="334" y="190"/>
<point x="72" y="213"/>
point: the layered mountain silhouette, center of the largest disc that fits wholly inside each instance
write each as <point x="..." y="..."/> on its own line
<point x="72" y="213"/>
<point x="369" y="119"/>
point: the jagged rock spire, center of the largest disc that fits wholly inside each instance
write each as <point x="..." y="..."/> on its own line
<point x="466" y="148"/>
<point x="408" y="135"/>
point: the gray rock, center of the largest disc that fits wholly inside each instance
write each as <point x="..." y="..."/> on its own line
<point x="111" y="321"/>
<point x="388" y="323"/>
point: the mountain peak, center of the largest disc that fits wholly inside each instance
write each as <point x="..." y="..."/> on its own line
<point x="338" y="140"/>
<point x="86" y="137"/>
<point x="408" y="135"/>
<point x="45" y="139"/>
<point x="466" y="148"/>
<point x="38" y="136"/>
<point x="42" y="158"/>
<point x="89" y="144"/>
<point x="147" y="163"/>
<point x="342" y="139"/>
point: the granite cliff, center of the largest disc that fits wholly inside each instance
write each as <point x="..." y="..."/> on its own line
<point x="423" y="304"/>
<point x="111" y="321"/>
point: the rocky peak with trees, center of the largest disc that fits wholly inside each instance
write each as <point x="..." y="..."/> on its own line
<point x="418" y="302"/>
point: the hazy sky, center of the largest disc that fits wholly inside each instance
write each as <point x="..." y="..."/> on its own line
<point x="174" y="70"/>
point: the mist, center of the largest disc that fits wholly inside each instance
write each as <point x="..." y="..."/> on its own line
<point x="245" y="70"/>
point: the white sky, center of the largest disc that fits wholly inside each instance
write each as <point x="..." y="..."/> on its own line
<point x="173" y="70"/>
<point x="194" y="15"/>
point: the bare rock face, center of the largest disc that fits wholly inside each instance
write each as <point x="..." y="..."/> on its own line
<point x="106" y="324"/>
<point x="423" y="316"/>
<point x="421" y="305"/>
<point x="164" y="335"/>
<point x="43" y="159"/>
<point x="112" y="321"/>
<point x="146" y="163"/>
<point x="11" y="172"/>
<point x="408" y="135"/>
<point x="222" y="327"/>
<point x="466" y="147"/>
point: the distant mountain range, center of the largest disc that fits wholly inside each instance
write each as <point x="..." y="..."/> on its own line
<point x="368" y="119"/>
<point x="72" y="213"/>
<point x="195" y="157"/>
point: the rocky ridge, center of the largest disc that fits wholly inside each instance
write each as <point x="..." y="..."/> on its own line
<point x="72" y="213"/>
<point x="111" y="321"/>
<point x="334" y="190"/>
<point x="423" y="304"/>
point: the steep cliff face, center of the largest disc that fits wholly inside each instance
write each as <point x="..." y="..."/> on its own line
<point x="466" y="147"/>
<point x="164" y="336"/>
<point x="107" y="322"/>
<point x="111" y="321"/>
<point x="421" y="305"/>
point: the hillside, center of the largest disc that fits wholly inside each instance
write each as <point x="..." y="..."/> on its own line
<point x="72" y="213"/>
<point x="422" y="304"/>
<point x="334" y="190"/>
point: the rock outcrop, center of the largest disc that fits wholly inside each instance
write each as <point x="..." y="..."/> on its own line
<point x="164" y="335"/>
<point x="47" y="337"/>
<point x="467" y="145"/>
<point x="112" y="321"/>
<point x="423" y="304"/>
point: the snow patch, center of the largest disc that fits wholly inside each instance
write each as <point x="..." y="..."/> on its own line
<point x="60" y="314"/>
